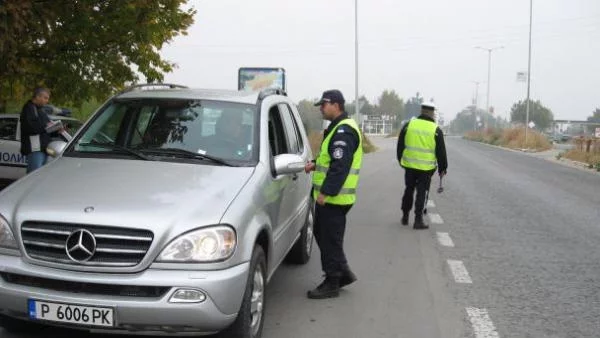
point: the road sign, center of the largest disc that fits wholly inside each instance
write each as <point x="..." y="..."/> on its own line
<point x="531" y="124"/>
<point x="597" y="132"/>
<point x="521" y="76"/>
<point x="256" y="79"/>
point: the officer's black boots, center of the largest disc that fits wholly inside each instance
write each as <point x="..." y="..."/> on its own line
<point x="330" y="288"/>
<point x="419" y="223"/>
<point x="347" y="278"/>
<point x="404" y="218"/>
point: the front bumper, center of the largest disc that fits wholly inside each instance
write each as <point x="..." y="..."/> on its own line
<point x="133" y="314"/>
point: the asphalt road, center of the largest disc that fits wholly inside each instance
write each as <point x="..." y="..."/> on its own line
<point x="512" y="252"/>
<point x="528" y="231"/>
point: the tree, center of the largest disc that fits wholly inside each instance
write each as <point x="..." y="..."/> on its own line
<point x="85" y="49"/>
<point x="391" y="104"/>
<point x="538" y="113"/>
<point x="595" y="116"/>
<point x="366" y="107"/>
<point x="413" y="106"/>
<point x="310" y="115"/>
<point x="466" y="120"/>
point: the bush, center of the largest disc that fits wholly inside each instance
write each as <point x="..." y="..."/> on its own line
<point x="513" y="138"/>
<point x="315" y="138"/>
<point x="592" y="159"/>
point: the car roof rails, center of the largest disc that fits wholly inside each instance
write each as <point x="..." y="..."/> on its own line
<point x="270" y="91"/>
<point x="151" y="85"/>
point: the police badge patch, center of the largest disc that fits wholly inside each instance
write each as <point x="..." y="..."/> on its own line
<point x="338" y="153"/>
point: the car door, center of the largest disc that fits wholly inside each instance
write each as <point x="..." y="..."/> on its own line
<point x="300" y="186"/>
<point x="280" y="190"/>
<point x="12" y="164"/>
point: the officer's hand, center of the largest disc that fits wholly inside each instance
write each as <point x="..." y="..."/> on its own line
<point x="442" y="173"/>
<point x="310" y="166"/>
<point x="321" y="199"/>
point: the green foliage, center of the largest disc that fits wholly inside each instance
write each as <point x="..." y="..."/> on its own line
<point x="390" y="103"/>
<point x="310" y="115"/>
<point x="465" y="120"/>
<point x="85" y="50"/>
<point x="413" y="106"/>
<point x="538" y="113"/>
<point x="595" y="116"/>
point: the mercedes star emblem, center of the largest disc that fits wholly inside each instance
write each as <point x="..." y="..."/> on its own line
<point x="81" y="246"/>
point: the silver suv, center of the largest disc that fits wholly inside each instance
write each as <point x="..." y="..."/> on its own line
<point x="175" y="208"/>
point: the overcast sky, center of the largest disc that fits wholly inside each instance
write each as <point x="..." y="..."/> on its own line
<point x="424" y="46"/>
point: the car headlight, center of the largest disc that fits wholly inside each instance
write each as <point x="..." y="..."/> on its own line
<point x="204" y="245"/>
<point x="7" y="240"/>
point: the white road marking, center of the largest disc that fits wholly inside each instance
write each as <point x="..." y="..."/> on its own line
<point x="430" y="204"/>
<point x="482" y="324"/>
<point x="444" y="239"/>
<point x="435" y="218"/>
<point x="461" y="275"/>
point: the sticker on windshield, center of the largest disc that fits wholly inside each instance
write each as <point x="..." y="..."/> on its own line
<point x="201" y="152"/>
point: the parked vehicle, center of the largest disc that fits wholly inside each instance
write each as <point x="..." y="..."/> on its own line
<point x="177" y="206"/>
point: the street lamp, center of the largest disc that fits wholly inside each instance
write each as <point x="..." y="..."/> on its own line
<point x="475" y="103"/>
<point x="489" y="50"/>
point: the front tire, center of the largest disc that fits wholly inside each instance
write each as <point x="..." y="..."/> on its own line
<point x="250" y="319"/>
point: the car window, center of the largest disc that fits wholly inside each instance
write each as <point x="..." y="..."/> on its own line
<point x="221" y="129"/>
<point x="8" y="128"/>
<point x="277" y="137"/>
<point x="292" y="137"/>
<point x="295" y="129"/>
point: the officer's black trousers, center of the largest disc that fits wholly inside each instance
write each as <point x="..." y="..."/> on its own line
<point x="419" y="180"/>
<point x="329" y="228"/>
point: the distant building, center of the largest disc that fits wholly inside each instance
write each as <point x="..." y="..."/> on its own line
<point x="377" y="124"/>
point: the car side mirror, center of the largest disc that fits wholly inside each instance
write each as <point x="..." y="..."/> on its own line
<point x="55" y="148"/>
<point x="287" y="164"/>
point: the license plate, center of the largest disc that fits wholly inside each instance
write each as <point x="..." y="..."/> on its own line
<point x="70" y="313"/>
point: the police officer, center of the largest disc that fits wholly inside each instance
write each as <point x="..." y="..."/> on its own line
<point x="335" y="180"/>
<point x="420" y="150"/>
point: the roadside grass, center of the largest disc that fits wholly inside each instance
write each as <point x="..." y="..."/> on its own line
<point x="513" y="138"/>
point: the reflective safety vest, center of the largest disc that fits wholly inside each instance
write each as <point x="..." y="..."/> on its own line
<point x="347" y="195"/>
<point x="419" y="151"/>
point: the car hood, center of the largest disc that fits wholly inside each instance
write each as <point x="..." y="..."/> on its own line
<point x="159" y="196"/>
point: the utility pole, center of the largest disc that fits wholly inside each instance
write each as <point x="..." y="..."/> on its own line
<point x="489" y="50"/>
<point x="528" y="71"/>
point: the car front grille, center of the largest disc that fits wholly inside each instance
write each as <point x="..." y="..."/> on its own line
<point x="86" y="288"/>
<point x="99" y="245"/>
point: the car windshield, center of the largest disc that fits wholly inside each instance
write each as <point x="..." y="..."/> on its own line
<point x="173" y="129"/>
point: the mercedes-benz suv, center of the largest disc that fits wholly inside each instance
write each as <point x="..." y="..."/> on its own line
<point x="167" y="213"/>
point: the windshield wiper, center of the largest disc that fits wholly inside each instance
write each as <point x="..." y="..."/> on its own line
<point x="186" y="154"/>
<point x="116" y="147"/>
